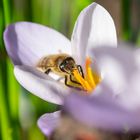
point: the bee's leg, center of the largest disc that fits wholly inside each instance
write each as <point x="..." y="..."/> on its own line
<point x="73" y="80"/>
<point x="67" y="81"/>
<point x="80" y="70"/>
<point x="47" y="71"/>
<point x="70" y="83"/>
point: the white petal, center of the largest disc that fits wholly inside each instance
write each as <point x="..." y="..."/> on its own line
<point x="94" y="28"/>
<point x="48" y="122"/>
<point x="120" y="70"/>
<point x="40" y="84"/>
<point x="27" y="42"/>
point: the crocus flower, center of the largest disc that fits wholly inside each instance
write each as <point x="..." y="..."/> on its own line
<point x="26" y="43"/>
<point x="116" y="106"/>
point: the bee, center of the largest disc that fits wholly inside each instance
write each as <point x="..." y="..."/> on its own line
<point x="62" y="65"/>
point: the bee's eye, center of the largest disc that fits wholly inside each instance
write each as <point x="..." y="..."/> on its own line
<point x="62" y="67"/>
<point x="67" y="64"/>
<point x="67" y="61"/>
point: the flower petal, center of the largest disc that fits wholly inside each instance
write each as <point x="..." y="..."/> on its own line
<point x="103" y="113"/>
<point x="94" y="28"/>
<point x="48" y="122"/>
<point x="120" y="71"/>
<point x="40" y="84"/>
<point x="27" y="42"/>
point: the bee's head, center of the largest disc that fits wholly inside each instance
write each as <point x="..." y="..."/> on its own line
<point x="67" y="65"/>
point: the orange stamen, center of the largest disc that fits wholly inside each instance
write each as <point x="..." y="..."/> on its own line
<point x="91" y="80"/>
<point x="89" y="75"/>
<point x="81" y="80"/>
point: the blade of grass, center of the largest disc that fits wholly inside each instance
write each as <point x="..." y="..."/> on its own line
<point x="12" y="96"/>
<point x="56" y="14"/>
<point x="4" y="120"/>
<point x="126" y="17"/>
<point x="40" y="11"/>
<point x="1" y="26"/>
<point x="18" y="10"/>
<point x="138" y="39"/>
<point x="75" y="9"/>
<point x="6" y="9"/>
<point x="13" y="90"/>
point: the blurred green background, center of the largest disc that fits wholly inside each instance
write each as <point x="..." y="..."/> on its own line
<point x="19" y="110"/>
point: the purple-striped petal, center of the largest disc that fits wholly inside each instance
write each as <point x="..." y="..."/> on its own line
<point x="103" y="113"/>
<point x="48" y="122"/>
<point x="27" y="42"/>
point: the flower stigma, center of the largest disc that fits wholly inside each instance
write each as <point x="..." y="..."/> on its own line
<point x="91" y="79"/>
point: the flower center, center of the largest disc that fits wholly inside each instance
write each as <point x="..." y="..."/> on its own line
<point x="91" y="79"/>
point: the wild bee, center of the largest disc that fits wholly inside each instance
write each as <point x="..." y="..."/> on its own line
<point x="62" y="65"/>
